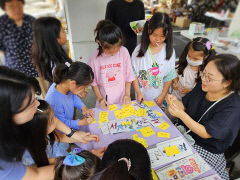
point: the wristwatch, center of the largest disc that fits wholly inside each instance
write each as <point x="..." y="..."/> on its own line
<point x="71" y="133"/>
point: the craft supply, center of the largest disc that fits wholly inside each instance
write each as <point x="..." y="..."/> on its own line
<point x="164" y="126"/>
<point x="113" y="107"/>
<point x="163" y="135"/>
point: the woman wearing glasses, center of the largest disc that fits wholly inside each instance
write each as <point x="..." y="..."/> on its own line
<point x="210" y="112"/>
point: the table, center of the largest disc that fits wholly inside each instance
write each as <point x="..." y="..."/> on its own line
<point x="230" y="49"/>
<point x="105" y="140"/>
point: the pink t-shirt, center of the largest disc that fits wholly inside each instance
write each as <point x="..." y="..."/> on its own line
<point x="111" y="73"/>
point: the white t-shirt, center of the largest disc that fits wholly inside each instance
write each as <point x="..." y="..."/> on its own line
<point x="188" y="79"/>
<point x="151" y="79"/>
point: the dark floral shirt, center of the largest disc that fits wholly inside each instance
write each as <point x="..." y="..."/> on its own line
<point x="16" y="43"/>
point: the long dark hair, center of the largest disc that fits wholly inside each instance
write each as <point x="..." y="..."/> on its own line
<point x="158" y="20"/>
<point x="11" y="74"/>
<point x="126" y="148"/>
<point x="12" y="140"/>
<point x="78" y="71"/>
<point x="91" y="166"/>
<point x="197" y="44"/>
<point x="229" y="66"/>
<point x="36" y="133"/>
<point x="46" y="51"/>
<point x="108" y="34"/>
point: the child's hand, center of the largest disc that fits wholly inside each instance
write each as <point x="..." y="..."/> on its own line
<point x="159" y="100"/>
<point x="103" y="104"/>
<point x="87" y="112"/>
<point x="92" y="137"/>
<point x="99" y="152"/>
<point x="140" y="97"/>
<point x="80" y="136"/>
<point x="184" y="90"/>
<point x="88" y="120"/>
<point x="126" y="99"/>
<point x="175" y="85"/>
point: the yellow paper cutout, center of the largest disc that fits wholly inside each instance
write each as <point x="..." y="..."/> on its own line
<point x="163" y="135"/>
<point x="140" y="140"/>
<point x="127" y="123"/>
<point x="158" y="113"/>
<point x="149" y="103"/>
<point x="147" y="131"/>
<point x="154" y="175"/>
<point x="172" y="150"/>
<point x="142" y="112"/>
<point x="133" y="102"/>
<point x="103" y="117"/>
<point x="113" y="107"/>
<point x="164" y="126"/>
<point x="94" y="120"/>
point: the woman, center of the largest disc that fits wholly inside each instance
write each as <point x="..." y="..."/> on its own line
<point x="18" y="107"/>
<point x="16" y="37"/>
<point x="210" y="112"/>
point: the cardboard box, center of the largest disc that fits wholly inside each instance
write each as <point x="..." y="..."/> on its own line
<point x="182" y="22"/>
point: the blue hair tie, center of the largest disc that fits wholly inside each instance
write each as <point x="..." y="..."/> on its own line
<point x="72" y="159"/>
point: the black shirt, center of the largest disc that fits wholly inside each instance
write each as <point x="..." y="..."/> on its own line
<point x="222" y="121"/>
<point x="122" y="13"/>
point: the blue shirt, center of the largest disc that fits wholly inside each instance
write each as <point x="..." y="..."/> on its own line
<point x="12" y="170"/>
<point x="63" y="105"/>
<point x="16" y="43"/>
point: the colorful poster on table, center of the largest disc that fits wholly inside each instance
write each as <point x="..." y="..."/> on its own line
<point x="187" y="168"/>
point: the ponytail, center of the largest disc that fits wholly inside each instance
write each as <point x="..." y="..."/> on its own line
<point x="107" y="35"/>
<point x="117" y="171"/>
<point x="78" y="71"/>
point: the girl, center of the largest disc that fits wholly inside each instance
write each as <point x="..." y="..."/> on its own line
<point x="49" y="37"/>
<point x="20" y="105"/>
<point x="47" y="124"/>
<point x="195" y="55"/>
<point x="111" y="65"/>
<point x="126" y="159"/>
<point x="210" y="112"/>
<point x="154" y="60"/>
<point x="78" y="164"/>
<point x="69" y="81"/>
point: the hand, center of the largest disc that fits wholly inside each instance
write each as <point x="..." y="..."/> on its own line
<point x="92" y="137"/>
<point x="175" y="85"/>
<point x="175" y="110"/>
<point x="99" y="152"/>
<point x="88" y="120"/>
<point x="103" y="104"/>
<point x="140" y="97"/>
<point x="87" y="112"/>
<point x="172" y="99"/>
<point x="159" y="100"/>
<point x="184" y="90"/>
<point x="80" y="136"/>
<point x="126" y="99"/>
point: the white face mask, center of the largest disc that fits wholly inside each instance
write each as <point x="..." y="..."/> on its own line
<point x="194" y="63"/>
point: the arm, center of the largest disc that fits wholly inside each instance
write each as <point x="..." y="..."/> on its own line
<point x="42" y="173"/>
<point x="159" y="100"/>
<point x="126" y="98"/>
<point x="175" y="83"/>
<point x="138" y="90"/>
<point x="100" y="99"/>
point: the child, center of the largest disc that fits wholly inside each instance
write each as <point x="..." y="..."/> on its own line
<point x="126" y="159"/>
<point x="192" y="61"/>
<point x="111" y="65"/>
<point x="69" y="81"/>
<point x="42" y="130"/>
<point x="49" y="37"/>
<point x="154" y="60"/>
<point x="78" y="164"/>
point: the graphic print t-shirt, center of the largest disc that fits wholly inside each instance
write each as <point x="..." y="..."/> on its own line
<point x="151" y="77"/>
<point x="111" y="73"/>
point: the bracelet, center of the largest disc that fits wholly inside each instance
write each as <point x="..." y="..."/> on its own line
<point x="71" y="133"/>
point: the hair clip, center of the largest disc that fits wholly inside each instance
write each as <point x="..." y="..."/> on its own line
<point x="128" y="161"/>
<point x="72" y="159"/>
<point x="67" y="64"/>
<point x="208" y="45"/>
